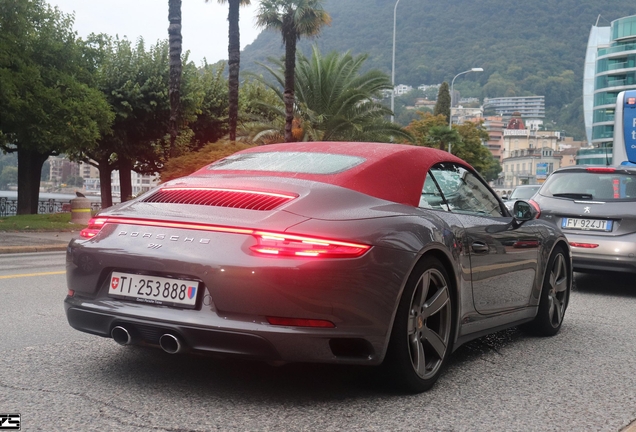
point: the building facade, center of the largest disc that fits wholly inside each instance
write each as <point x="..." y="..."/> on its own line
<point x="494" y="125"/>
<point x="529" y="166"/>
<point x="528" y="155"/>
<point x="529" y="107"/>
<point x="610" y="67"/>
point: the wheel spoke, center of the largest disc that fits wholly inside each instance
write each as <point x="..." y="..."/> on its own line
<point x="560" y="276"/>
<point x="435" y="341"/>
<point x="551" y="307"/>
<point x="557" y="314"/>
<point x="436" y="303"/>
<point x="412" y="324"/>
<point x="421" y="291"/>
<point x="417" y="354"/>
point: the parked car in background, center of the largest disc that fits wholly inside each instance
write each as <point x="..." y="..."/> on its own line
<point x="351" y="253"/>
<point x="596" y="209"/>
<point x="523" y="192"/>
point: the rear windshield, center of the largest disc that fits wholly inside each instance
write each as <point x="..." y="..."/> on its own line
<point x="591" y="186"/>
<point x="296" y="162"/>
<point x="524" y="192"/>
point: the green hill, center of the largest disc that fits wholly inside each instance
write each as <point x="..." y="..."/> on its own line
<point x="525" y="48"/>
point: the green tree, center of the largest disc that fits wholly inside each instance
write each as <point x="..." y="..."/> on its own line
<point x="471" y="149"/>
<point x="175" y="40"/>
<point x="432" y="131"/>
<point x="210" y="123"/>
<point x="466" y="139"/>
<point x="443" y="105"/>
<point x="334" y="101"/>
<point x="135" y="81"/>
<point x="48" y="104"/>
<point x="234" y="61"/>
<point x="294" y="19"/>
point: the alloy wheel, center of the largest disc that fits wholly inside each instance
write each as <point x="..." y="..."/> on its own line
<point x="557" y="294"/>
<point x="429" y="323"/>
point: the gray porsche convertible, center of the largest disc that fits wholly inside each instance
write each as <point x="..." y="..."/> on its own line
<point x="351" y="253"/>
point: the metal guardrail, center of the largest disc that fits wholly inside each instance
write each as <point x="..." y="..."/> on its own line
<point x="9" y="206"/>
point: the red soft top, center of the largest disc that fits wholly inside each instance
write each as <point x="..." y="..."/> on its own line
<point x="394" y="172"/>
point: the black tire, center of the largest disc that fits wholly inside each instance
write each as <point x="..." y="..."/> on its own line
<point x="422" y="335"/>
<point x="555" y="295"/>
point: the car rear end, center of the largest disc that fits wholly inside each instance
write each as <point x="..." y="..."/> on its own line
<point x="596" y="209"/>
<point x="206" y="266"/>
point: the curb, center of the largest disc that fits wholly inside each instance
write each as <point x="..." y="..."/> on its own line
<point x="38" y="248"/>
<point x="630" y="427"/>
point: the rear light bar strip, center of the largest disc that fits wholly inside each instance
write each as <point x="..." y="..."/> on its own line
<point x="601" y="169"/>
<point x="273" y="194"/>
<point x="267" y="243"/>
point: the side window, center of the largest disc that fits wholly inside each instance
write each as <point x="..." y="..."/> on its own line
<point x="431" y="196"/>
<point x="464" y="192"/>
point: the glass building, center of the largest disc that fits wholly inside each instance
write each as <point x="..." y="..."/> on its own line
<point x="610" y="67"/>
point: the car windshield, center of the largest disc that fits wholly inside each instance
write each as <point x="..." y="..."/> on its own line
<point x="524" y="192"/>
<point x="589" y="185"/>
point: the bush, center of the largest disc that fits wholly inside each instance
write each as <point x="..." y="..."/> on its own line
<point x="191" y="162"/>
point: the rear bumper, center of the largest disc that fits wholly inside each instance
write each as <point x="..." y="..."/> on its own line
<point x="616" y="254"/>
<point x="258" y="341"/>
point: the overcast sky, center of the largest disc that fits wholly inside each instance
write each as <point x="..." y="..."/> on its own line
<point x="204" y="25"/>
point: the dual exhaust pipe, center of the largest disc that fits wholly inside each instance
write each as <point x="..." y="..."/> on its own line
<point x="168" y="342"/>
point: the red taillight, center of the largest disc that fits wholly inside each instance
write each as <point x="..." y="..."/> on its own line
<point x="94" y="226"/>
<point x="534" y="204"/>
<point x="70" y="293"/>
<point x="268" y="243"/>
<point x="298" y="246"/>
<point x="601" y="169"/>
<point x="584" y="245"/>
<point x="298" y="322"/>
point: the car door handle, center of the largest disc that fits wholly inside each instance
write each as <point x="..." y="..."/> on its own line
<point x="479" y="247"/>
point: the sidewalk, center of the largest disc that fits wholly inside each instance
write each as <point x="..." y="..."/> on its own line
<point x="20" y="242"/>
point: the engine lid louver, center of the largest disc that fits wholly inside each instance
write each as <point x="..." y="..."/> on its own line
<point x="216" y="197"/>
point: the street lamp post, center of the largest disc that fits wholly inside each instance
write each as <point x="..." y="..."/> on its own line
<point x="393" y="64"/>
<point x="450" y="114"/>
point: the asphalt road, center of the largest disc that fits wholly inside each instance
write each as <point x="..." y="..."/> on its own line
<point x="59" y="379"/>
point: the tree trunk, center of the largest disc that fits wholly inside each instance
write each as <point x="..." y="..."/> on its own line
<point x="29" y="170"/>
<point x="234" y="55"/>
<point x="125" y="183"/>
<point x="105" y="170"/>
<point x="290" y="71"/>
<point x="175" y="40"/>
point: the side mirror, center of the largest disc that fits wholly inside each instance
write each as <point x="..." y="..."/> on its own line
<point x="523" y="211"/>
<point x="504" y="197"/>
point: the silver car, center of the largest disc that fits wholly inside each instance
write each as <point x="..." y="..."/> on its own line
<point x="596" y="209"/>
<point x="522" y="192"/>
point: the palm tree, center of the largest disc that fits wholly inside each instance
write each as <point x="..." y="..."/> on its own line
<point x="175" y="40"/>
<point x="234" y="60"/>
<point x="334" y="102"/>
<point x="294" y="19"/>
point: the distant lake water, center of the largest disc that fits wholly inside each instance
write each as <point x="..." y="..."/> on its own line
<point x="45" y="196"/>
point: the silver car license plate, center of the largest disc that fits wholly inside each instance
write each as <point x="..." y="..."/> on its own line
<point x="154" y="289"/>
<point x="586" y="224"/>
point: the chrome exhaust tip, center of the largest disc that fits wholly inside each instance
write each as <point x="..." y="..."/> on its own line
<point x="170" y="344"/>
<point x="121" y="335"/>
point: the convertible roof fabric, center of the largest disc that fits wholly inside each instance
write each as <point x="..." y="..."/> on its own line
<point x="394" y="172"/>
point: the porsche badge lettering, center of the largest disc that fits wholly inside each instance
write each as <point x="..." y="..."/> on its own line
<point x="162" y="237"/>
